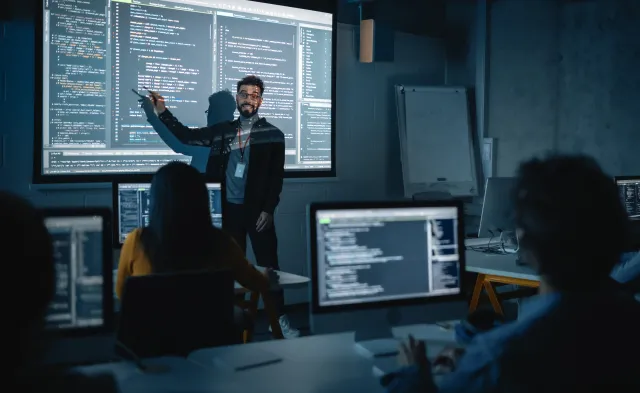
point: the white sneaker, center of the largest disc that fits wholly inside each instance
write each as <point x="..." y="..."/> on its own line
<point x="287" y="330"/>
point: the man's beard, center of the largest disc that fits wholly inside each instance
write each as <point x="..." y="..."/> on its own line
<point x="247" y="110"/>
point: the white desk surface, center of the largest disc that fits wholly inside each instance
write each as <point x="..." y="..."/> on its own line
<point x="498" y="265"/>
<point x="313" y="364"/>
<point x="284" y="279"/>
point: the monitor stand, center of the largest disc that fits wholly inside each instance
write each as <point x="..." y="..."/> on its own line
<point x="375" y="338"/>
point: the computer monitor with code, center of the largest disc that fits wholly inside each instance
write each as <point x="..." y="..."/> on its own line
<point x="83" y="299"/>
<point x="629" y="189"/>
<point x="405" y="259"/>
<point x="131" y="202"/>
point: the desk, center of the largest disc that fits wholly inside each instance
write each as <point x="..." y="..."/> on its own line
<point x="313" y="364"/>
<point x="251" y="306"/>
<point x="284" y="280"/>
<point x="496" y="268"/>
<point x="182" y="376"/>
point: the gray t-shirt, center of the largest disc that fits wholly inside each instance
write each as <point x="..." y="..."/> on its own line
<point x="236" y="178"/>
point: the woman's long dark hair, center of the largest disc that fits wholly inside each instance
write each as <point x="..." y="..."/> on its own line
<point x="180" y="232"/>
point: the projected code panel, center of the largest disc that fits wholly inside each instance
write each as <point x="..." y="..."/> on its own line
<point x="77" y="69"/>
<point x="316" y="63"/>
<point x="165" y="50"/>
<point x="315" y="132"/>
<point x="94" y="52"/>
<point x="250" y="47"/>
<point x="78" y="262"/>
<point x="630" y="196"/>
<point x="110" y="161"/>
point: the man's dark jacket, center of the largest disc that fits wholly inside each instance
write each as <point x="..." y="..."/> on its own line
<point x="266" y="160"/>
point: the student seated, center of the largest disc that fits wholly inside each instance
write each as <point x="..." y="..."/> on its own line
<point x="581" y="332"/>
<point x="32" y="251"/>
<point x="181" y="237"/>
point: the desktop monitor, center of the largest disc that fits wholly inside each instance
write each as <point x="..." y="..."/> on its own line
<point x="131" y="207"/>
<point x="83" y="300"/>
<point x="498" y="212"/>
<point x="378" y="265"/>
<point x="629" y="189"/>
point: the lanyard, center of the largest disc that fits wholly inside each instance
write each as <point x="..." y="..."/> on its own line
<point x="242" y="146"/>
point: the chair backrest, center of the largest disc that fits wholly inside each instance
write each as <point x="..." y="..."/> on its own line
<point x="174" y="314"/>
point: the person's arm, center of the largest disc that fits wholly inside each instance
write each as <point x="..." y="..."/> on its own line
<point x="628" y="269"/>
<point x="477" y="371"/>
<point x="125" y="268"/>
<point x="247" y="276"/>
<point x="276" y="174"/>
<point x="410" y="379"/>
<point x="203" y="136"/>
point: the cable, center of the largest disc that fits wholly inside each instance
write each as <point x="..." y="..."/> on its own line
<point x="136" y="360"/>
<point x="491" y="238"/>
<point x="142" y="367"/>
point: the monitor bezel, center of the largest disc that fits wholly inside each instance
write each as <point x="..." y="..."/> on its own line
<point x="625" y="178"/>
<point x="312" y="258"/>
<point x="115" y="233"/>
<point x="108" y="313"/>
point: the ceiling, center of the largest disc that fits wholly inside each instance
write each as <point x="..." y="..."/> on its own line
<point x="423" y="17"/>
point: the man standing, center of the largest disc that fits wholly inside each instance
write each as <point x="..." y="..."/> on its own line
<point x="247" y="157"/>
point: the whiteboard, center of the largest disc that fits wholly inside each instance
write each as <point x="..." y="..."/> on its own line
<point x="436" y="140"/>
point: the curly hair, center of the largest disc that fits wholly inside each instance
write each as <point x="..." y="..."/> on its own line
<point x="572" y="219"/>
<point x="251" y="80"/>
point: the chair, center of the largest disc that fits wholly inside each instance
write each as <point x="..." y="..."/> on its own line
<point x="175" y="314"/>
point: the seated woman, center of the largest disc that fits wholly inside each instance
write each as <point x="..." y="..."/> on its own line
<point x="181" y="237"/>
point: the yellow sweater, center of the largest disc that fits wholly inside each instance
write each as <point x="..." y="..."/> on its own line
<point x="135" y="262"/>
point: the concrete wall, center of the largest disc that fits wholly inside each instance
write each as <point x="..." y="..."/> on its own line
<point x="564" y="76"/>
<point x="368" y="163"/>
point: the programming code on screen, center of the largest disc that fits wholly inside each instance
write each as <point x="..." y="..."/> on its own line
<point x="386" y="254"/>
<point x="77" y="301"/>
<point x="133" y="207"/>
<point x="95" y="52"/>
<point x="630" y="196"/>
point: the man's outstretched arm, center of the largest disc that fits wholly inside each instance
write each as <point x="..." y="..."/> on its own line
<point x="203" y="136"/>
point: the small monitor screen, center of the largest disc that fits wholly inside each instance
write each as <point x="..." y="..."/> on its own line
<point x="629" y="189"/>
<point x="385" y="254"/>
<point x="132" y="207"/>
<point x="78" y="255"/>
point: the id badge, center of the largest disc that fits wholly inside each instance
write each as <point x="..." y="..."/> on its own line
<point x="240" y="170"/>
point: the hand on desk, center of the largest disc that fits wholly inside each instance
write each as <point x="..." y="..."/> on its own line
<point x="447" y="360"/>
<point x="415" y="353"/>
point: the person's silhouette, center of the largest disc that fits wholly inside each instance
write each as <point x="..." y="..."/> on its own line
<point x="222" y="106"/>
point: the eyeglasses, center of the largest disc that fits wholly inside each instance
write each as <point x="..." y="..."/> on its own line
<point x="243" y="95"/>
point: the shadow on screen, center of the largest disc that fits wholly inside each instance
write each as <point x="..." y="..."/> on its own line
<point x="222" y="106"/>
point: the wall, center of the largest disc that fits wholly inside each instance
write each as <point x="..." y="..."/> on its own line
<point x="368" y="163"/>
<point x="563" y="76"/>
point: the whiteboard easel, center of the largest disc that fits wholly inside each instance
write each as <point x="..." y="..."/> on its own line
<point x="436" y="140"/>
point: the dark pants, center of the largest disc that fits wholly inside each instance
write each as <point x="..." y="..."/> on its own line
<point x="239" y="223"/>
